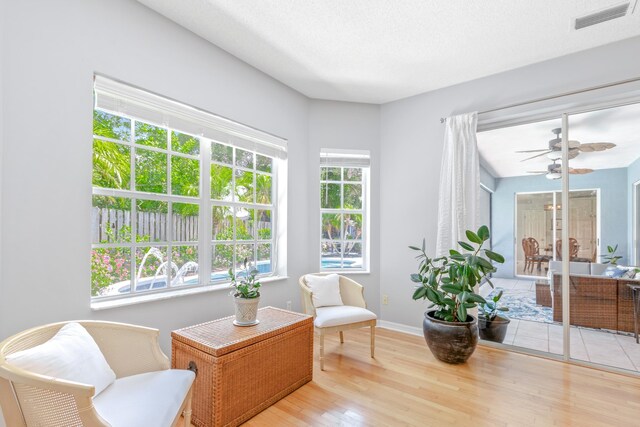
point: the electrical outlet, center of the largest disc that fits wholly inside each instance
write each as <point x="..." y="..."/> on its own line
<point x="385" y="299"/>
<point x="288" y="305"/>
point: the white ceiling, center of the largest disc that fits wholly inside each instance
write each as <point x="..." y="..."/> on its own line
<point x="620" y="125"/>
<point x="381" y="50"/>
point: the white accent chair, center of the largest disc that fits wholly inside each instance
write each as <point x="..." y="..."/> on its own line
<point x="145" y="393"/>
<point x="353" y="314"/>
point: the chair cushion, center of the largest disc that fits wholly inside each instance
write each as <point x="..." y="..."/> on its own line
<point x="341" y="315"/>
<point x="149" y="399"/>
<point x="325" y="289"/>
<point x="71" y="355"/>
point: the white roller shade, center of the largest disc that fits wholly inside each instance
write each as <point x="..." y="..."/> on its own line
<point x="120" y="98"/>
<point x="345" y="158"/>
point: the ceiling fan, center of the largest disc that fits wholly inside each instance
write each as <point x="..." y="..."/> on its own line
<point x="554" y="171"/>
<point x="554" y="152"/>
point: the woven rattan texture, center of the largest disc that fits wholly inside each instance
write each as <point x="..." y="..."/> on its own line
<point x="37" y="337"/>
<point x="593" y="301"/>
<point x="233" y="387"/>
<point x="220" y="336"/>
<point x="48" y="408"/>
<point x="625" y="306"/>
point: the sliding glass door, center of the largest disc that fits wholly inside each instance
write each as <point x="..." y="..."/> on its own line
<point x="565" y="213"/>
<point x="604" y="154"/>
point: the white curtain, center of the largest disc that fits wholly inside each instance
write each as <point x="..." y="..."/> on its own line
<point x="459" y="197"/>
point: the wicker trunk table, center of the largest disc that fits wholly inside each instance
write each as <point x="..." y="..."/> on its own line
<point x="241" y="371"/>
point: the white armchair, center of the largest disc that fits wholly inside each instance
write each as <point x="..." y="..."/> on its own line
<point x="353" y="314"/>
<point x="145" y="392"/>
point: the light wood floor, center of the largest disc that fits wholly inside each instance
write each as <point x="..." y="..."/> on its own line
<point x="406" y="386"/>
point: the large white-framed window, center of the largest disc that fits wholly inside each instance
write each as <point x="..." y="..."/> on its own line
<point x="344" y="210"/>
<point x="180" y="196"/>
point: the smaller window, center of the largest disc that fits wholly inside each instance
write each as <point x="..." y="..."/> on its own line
<point x="344" y="212"/>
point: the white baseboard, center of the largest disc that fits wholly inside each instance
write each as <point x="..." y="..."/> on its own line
<point x="399" y="327"/>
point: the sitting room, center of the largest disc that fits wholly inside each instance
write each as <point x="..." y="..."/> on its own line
<point x="336" y="213"/>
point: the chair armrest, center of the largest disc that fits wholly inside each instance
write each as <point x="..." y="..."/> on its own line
<point x="129" y="349"/>
<point x="51" y="400"/>
<point x="307" y="298"/>
<point x="352" y="292"/>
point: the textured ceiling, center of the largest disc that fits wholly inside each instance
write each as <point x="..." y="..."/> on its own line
<point x="620" y="125"/>
<point x="382" y="50"/>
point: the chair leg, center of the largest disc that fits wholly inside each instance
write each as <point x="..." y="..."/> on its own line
<point x="373" y="339"/>
<point x="341" y="338"/>
<point x="321" y="350"/>
<point x="187" y="410"/>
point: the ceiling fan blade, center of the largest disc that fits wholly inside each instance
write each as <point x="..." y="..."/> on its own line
<point x="537" y="155"/>
<point x="596" y="146"/>
<point x="580" y="171"/>
<point x="532" y="151"/>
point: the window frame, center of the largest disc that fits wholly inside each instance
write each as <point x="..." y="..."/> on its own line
<point x="364" y="211"/>
<point x="205" y="203"/>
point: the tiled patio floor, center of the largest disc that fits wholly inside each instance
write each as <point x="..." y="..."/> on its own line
<point x="592" y="345"/>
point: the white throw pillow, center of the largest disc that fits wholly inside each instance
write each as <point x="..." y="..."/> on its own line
<point x="326" y="289"/>
<point x="71" y="355"/>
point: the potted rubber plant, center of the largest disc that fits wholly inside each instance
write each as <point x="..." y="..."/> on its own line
<point x="246" y="295"/>
<point x="491" y="324"/>
<point x="448" y="283"/>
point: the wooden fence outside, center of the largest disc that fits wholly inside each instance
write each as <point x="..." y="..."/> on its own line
<point x="117" y="222"/>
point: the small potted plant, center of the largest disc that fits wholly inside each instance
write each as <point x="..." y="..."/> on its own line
<point x="491" y="325"/>
<point x="448" y="282"/>
<point x="611" y="257"/>
<point x="246" y="295"/>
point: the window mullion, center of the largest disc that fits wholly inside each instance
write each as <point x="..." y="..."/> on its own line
<point x="233" y="210"/>
<point x="134" y="211"/>
<point x="205" y="236"/>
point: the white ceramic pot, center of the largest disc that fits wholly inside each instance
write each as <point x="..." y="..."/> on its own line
<point x="246" y="311"/>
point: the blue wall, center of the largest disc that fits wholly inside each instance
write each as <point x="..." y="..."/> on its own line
<point x="614" y="196"/>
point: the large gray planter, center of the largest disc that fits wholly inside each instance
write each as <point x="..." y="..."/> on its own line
<point x="448" y="341"/>
<point x="493" y="330"/>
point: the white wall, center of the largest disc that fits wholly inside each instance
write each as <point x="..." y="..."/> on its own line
<point x="411" y="149"/>
<point x="53" y="50"/>
<point x="346" y="125"/>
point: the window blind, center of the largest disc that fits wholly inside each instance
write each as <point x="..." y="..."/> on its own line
<point x="345" y="158"/>
<point x="119" y="98"/>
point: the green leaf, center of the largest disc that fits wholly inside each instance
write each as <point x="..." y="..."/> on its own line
<point x="610" y="249"/>
<point x="473" y="237"/>
<point x="466" y="246"/>
<point x="432" y="295"/>
<point x="476" y="298"/>
<point x="416" y="278"/>
<point x="419" y="293"/>
<point x="494" y="256"/>
<point x="463" y="296"/>
<point x="448" y="301"/>
<point x="462" y="313"/>
<point x="414" y="248"/>
<point x="423" y="245"/>
<point x="452" y="289"/>
<point x="489" y="282"/>
<point x="457" y="257"/>
<point x="483" y="233"/>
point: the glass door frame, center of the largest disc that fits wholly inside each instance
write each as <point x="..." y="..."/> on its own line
<point x="564" y="112"/>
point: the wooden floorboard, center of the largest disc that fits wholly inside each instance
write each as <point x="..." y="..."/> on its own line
<point x="405" y="386"/>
